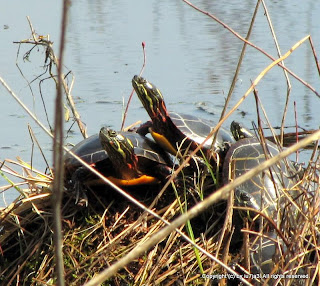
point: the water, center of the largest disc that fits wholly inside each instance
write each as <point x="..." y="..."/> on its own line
<point x="190" y="57"/>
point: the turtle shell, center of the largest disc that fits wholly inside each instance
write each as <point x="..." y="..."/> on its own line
<point x="265" y="253"/>
<point x="265" y="191"/>
<point x="197" y="129"/>
<point x="89" y="150"/>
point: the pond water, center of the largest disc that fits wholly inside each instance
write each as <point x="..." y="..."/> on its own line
<point x="190" y="57"/>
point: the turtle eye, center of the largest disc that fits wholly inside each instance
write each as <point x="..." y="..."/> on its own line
<point x="112" y="133"/>
<point x="142" y="80"/>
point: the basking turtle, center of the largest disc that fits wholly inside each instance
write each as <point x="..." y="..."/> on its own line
<point x="173" y="130"/>
<point x="270" y="192"/>
<point x="136" y="159"/>
<point x="145" y="162"/>
<point x="265" y="191"/>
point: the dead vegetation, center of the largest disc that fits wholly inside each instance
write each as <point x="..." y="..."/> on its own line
<point x="161" y="237"/>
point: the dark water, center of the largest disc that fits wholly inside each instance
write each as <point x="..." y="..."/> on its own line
<point x="190" y="57"/>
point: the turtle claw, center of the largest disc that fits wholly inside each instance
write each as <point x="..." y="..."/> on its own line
<point x="79" y="190"/>
<point x="82" y="202"/>
<point x="81" y="198"/>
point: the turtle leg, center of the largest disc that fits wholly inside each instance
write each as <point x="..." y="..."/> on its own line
<point x="161" y="171"/>
<point x="143" y="129"/>
<point x="200" y="166"/>
<point x="77" y="185"/>
<point x="81" y="198"/>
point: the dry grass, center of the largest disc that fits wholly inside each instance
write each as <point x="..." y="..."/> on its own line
<point x="94" y="237"/>
<point x="207" y="246"/>
<point x="111" y="227"/>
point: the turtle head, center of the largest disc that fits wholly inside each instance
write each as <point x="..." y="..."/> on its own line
<point x="239" y="132"/>
<point x="151" y="98"/>
<point x="120" y="151"/>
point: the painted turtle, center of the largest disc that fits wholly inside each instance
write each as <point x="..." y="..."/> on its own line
<point x="148" y="162"/>
<point x="173" y="130"/>
<point x="259" y="254"/>
<point x="136" y="160"/>
<point x="265" y="191"/>
<point x="270" y="192"/>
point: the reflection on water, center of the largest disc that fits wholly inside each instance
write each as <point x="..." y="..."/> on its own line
<point x="190" y="57"/>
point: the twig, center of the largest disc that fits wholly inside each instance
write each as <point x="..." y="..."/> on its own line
<point x="285" y="72"/>
<point x="58" y="158"/>
<point x="130" y="97"/>
<point x="34" y="139"/>
<point x="235" y="77"/>
<point x="39" y="40"/>
<point x="28" y="83"/>
<point x="296" y="121"/>
<point x="315" y="55"/>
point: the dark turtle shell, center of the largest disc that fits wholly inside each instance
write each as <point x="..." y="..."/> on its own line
<point x="89" y="150"/>
<point x="197" y="129"/>
<point x="265" y="191"/>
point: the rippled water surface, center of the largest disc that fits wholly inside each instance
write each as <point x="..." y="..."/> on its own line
<point x="190" y="57"/>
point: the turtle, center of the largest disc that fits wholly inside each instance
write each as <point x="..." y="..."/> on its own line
<point x="265" y="191"/>
<point x="262" y="260"/>
<point x="149" y="163"/>
<point x="270" y="192"/>
<point x="136" y="160"/>
<point x="176" y="131"/>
